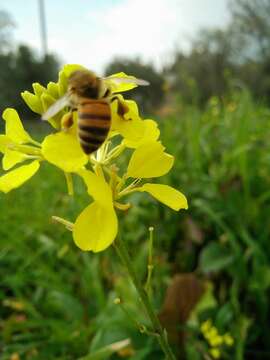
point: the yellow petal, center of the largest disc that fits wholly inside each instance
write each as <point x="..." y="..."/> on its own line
<point x="97" y="188"/>
<point x="14" y="127"/>
<point x="129" y="108"/>
<point x="150" y="133"/>
<point x="17" y="177"/>
<point x="149" y="160"/>
<point x="130" y="126"/>
<point x="68" y="69"/>
<point x="32" y="101"/>
<point x="38" y="89"/>
<point x="131" y="130"/>
<point x="167" y="195"/>
<point x="4" y="142"/>
<point x="12" y="158"/>
<point x="133" y="111"/>
<point x="118" y="86"/>
<point x="47" y="100"/>
<point x="64" y="74"/>
<point x="63" y="150"/>
<point x="53" y="89"/>
<point x="95" y="228"/>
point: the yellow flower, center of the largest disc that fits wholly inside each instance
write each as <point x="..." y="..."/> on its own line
<point x="43" y="98"/>
<point x="13" y="146"/>
<point x="97" y="225"/>
<point x="215" y="353"/>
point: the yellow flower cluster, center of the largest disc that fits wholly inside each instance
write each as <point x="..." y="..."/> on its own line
<point x="214" y="339"/>
<point x="97" y="225"/>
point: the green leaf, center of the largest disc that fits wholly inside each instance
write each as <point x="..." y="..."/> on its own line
<point x="260" y="279"/>
<point x="215" y="257"/>
<point x="224" y="315"/>
<point x="207" y="301"/>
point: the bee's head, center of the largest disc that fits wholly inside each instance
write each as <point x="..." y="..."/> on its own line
<point x="84" y="83"/>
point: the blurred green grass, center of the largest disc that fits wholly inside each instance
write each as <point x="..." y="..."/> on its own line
<point x="57" y="302"/>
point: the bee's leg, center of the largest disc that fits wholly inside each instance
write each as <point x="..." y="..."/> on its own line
<point x="122" y="108"/>
<point x="67" y="120"/>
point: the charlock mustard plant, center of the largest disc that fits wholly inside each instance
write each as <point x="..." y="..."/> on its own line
<point x="96" y="227"/>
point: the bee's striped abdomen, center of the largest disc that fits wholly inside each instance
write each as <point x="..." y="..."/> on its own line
<point x="94" y="120"/>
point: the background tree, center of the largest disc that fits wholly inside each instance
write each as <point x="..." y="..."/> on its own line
<point x="6" y="24"/>
<point x="250" y="19"/>
<point x="250" y="23"/>
<point x="223" y="59"/>
<point x="20" y="67"/>
<point x="205" y="70"/>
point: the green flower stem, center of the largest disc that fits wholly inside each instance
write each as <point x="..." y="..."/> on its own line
<point x="139" y="326"/>
<point x="157" y="328"/>
<point x="150" y="266"/>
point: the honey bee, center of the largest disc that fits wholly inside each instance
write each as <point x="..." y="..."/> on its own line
<point x="91" y="96"/>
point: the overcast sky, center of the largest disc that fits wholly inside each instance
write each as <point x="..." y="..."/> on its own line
<point x="93" y="32"/>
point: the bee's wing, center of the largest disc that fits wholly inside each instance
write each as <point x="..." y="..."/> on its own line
<point x="56" y="107"/>
<point x="127" y="80"/>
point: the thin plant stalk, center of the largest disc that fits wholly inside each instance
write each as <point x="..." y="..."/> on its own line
<point x="157" y="327"/>
<point x="150" y="266"/>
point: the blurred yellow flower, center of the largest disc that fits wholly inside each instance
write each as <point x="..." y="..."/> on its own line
<point x="215" y="353"/>
<point x="228" y="339"/>
<point x="211" y="333"/>
<point x="215" y="340"/>
<point x="206" y="326"/>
